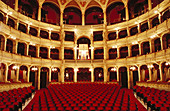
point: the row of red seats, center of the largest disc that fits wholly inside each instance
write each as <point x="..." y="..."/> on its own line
<point x="12" y="100"/>
<point x="154" y="98"/>
<point x="84" y="96"/>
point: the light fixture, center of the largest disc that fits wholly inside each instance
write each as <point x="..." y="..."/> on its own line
<point x="90" y="69"/>
<point x="9" y="13"/>
<point x="67" y="75"/>
<point x="15" y="67"/>
<point x="50" y="29"/>
<point x="117" y="28"/>
<point x="155" y="11"/>
<point x="91" y="48"/>
<point x="51" y="47"/>
<point x="150" y="66"/>
<point x="91" y="30"/>
<point x="114" y="46"/>
<point x="167" y="63"/>
<point x="100" y="75"/>
<point x="134" y="42"/>
<point x="153" y="36"/>
<point x="136" y="22"/>
<point x="32" y="44"/>
<point x="76" y="69"/>
<point x="113" y="69"/>
<point x="12" y="37"/>
<point x="132" y="68"/>
<point x="75" y="30"/>
<point x="54" y="69"/>
<point x="30" y="23"/>
<point x="34" y="68"/>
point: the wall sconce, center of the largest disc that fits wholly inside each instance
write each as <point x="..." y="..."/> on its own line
<point x="167" y="63"/>
<point x="150" y="66"/>
<point x="15" y="67"/>
<point x="113" y="69"/>
<point x="76" y="69"/>
<point x="34" y="69"/>
<point x="67" y="75"/>
<point x="132" y="68"/>
<point x="100" y="75"/>
<point x="54" y="69"/>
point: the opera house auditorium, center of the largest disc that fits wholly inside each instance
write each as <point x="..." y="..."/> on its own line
<point x="84" y="55"/>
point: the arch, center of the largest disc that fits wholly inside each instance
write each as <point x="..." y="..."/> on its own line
<point x="123" y="52"/>
<point x="155" y="72"/>
<point x="115" y="13"/>
<point x="144" y="27"/>
<point x="9" y="46"/>
<point x="93" y="15"/>
<point x="112" y="36"/>
<point x="10" y="3"/>
<point x="156" y="2"/>
<point x="55" y="36"/>
<point x="98" y="74"/>
<point x="43" y="52"/>
<point x="68" y="74"/>
<point x="99" y="53"/>
<point x="50" y="13"/>
<point x="54" y="54"/>
<point x="145" y="48"/>
<point x="22" y="27"/>
<point x="2" y="42"/>
<point x="84" y="40"/>
<point x="34" y="76"/>
<point x="55" y="74"/>
<point x="21" y="49"/>
<point x="135" y="50"/>
<point x="123" y="77"/>
<point x="113" y="53"/>
<point x="165" y="71"/>
<point x="137" y="7"/>
<point x="32" y="51"/>
<point x="23" y="73"/>
<point x="12" y="73"/>
<point x="83" y="74"/>
<point x="144" y="71"/>
<point x="33" y="31"/>
<point x="2" y="72"/>
<point x="28" y="8"/>
<point x="44" y="77"/>
<point x="98" y="36"/>
<point x="134" y="30"/>
<point x="11" y="22"/>
<point x="69" y="36"/>
<point x="1" y="17"/>
<point x="155" y="21"/>
<point x="112" y="74"/>
<point x="72" y="16"/>
<point x="44" y="34"/>
<point x="166" y="41"/>
<point x="166" y="15"/>
<point x="157" y="45"/>
<point x="123" y="34"/>
<point x="134" y="76"/>
<point x="68" y="54"/>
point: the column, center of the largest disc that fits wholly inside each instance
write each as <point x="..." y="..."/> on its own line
<point x="50" y="74"/>
<point x="92" y="74"/>
<point x="118" y="52"/>
<point x="149" y="24"/>
<point x="139" y="26"/>
<point x="150" y="74"/>
<point x="5" y="43"/>
<point x="27" y="49"/>
<point x="49" y="34"/>
<point x="61" y="53"/>
<point x="39" y="72"/>
<point x="38" y="32"/>
<point x="129" y="51"/>
<point x="28" y="74"/>
<point x="17" y="24"/>
<point x="62" y="73"/>
<point x="149" y="4"/>
<point x="15" y="47"/>
<point x="160" y="18"/>
<point x="105" y="18"/>
<point x="75" y="74"/>
<point x="140" y="49"/>
<point x="6" y="19"/>
<point x="92" y="47"/>
<point x="6" y="74"/>
<point x="17" y="74"/>
<point x="128" y="31"/>
<point x="161" y="74"/>
<point x="117" y="34"/>
<point x="139" y="74"/>
<point x="37" y="51"/>
<point x="117" y="71"/>
<point x="39" y="12"/>
<point x="75" y="52"/>
<point x="61" y="18"/>
<point x="16" y="5"/>
<point x="127" y="12"/>
<point x="105" y="73"/>
<point x="161" y="43"/>
<point x="49" y="52"/>
<point x="83" y="18"/>
<point x="128" y="74"/>
<point x="28" y="29"/>
<point x="151" y="46"/>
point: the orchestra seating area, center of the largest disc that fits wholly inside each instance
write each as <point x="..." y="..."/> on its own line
<point x="13" y="100"/>
<point x="155" y="99"/>
<point x="84" y="96"/>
